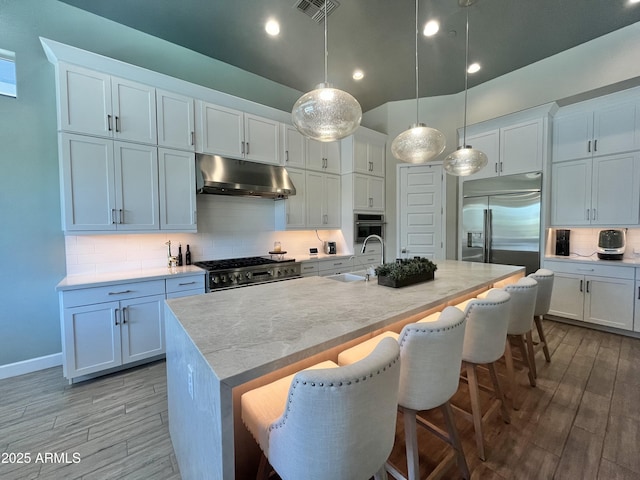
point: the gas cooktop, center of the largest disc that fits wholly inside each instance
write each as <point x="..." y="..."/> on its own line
<point x="239" y="272"/>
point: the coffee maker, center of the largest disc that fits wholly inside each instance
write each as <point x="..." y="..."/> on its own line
<point x="562" y="242"/>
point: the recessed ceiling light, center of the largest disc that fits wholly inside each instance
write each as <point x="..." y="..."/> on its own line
<point x="431" y="28"/>
<point x="634" y="1"/>
<point x="272" y="27"/>
<point x="473" y="68"/>
<point x="358" y="75"/>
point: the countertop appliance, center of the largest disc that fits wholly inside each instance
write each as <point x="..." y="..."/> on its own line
<point x="501" y="220"/>
<point x="330" y="248"/>
<point x="611" y="244"/>
<point x="240" y="272"/>
<point x="563" y="245"/>
<point x="365" y="224"/>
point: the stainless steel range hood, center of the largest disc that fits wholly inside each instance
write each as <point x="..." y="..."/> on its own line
<point x="228" y="176"/>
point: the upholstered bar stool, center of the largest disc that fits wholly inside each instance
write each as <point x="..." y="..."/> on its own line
<point x="484" y="343"/>
<point x="544" y="277"/>
<point x="430" y="354"/>
<point x="328" y="422"/>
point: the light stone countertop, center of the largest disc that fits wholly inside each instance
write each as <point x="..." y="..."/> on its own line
<point x="74" y="282"/>
<point x="625" y="262"/>
<point x="244" y="333"/>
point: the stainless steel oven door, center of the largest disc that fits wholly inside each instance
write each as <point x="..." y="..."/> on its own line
<point x="367" y="224"/>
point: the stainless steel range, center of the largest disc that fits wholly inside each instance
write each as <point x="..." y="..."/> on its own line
<point x="240" y="272"/>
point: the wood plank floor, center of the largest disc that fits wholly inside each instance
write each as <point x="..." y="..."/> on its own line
<point x="582" y="421"/>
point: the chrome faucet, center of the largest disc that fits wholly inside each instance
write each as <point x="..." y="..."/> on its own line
<point x="364" y="246"/>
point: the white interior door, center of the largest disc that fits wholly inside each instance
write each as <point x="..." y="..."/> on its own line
<point x="420" y="212"/>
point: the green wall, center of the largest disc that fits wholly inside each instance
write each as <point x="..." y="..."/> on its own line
<point x="31" y="240"/>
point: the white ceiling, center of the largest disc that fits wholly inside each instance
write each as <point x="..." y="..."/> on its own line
<point x="376" y="36"/>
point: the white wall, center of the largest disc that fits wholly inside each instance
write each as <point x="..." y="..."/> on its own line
<point x="593" y="68"/>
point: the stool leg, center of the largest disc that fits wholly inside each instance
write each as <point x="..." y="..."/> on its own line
<point x="525" y="358"/>
<point x="498" y="391"/>
<point x="263" y="468"/>
<point x="508" y="360"/>
<point x="447" y="412"/>
<point x="474" y="394"/>
<point x="411" y="442"/>
<point x="543" y="339"/>
<point x="531" y="355"/>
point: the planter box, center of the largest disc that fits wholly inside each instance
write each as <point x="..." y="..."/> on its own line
<point x="405" y="282"/>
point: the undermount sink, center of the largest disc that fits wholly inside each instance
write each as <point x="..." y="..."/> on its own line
<point x="346" y="277"/>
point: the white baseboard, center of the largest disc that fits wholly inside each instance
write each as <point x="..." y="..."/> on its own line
<point x="31" y="365"/>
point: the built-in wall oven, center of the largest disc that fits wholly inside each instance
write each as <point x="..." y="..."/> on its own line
<point x="366" y="224"/>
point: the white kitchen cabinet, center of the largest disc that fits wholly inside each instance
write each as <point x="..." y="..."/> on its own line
<point x="291" y="212"/>
<point x="95" y="103"/>
<point x="309" y="269"/>
<point x="636" y="317"/>
<point x="294" y="147"/>
<point x="488" y="142"/>
<point x="108" y="185"/>
<point x="177" y="190"/>
<point x="368" y="192"/>
<point x="110" y="326"/>
<point x="582" y="191"/>
<point x="599" y="294"/>
<point x="323" y="200"/>
<point x="228" y="132"/>
<point x="596" y="128"/>
<point x="323" y="156"/>
<point x="334" y="266"/>
<point x="176" y="120"/>
<point x="364" y="152"/>
<point x="178" y="287"/>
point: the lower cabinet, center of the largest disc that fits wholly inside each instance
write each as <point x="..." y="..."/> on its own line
<point x="599" y="294"/>
<point x="636" y="318"/>
<point x="335" y="266"/>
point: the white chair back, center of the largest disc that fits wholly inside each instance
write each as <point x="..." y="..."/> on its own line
<point x="486" y="330"/>
<point x="523" y="303"/>
<point x="544" y="277"/>
<point x="431" y="355"/>
<point x="339" y="422"/>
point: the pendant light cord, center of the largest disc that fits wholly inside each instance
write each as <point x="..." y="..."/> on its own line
<point x="466" y="77"/>
<point x="417" y="98"/>
<point x="326" y="49"/>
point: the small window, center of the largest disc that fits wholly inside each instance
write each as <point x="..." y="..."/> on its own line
<point x="7" y="73"/>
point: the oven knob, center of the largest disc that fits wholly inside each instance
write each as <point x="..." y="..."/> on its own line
<point x="215" y="279"/>
<point x="223" y="279"/>
<point x="248" y="274"/>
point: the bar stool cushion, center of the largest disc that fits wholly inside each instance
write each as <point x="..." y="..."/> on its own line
<point x="523" y="302"/>
<point x="544" y="277"/>
<point x="358" y="352"/>
<point x="486" y="333"/>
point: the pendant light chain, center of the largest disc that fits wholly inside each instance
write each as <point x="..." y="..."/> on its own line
<point x="326" y="48"/>
<point x="466" y="83"/>
<point x="417" y="97"/>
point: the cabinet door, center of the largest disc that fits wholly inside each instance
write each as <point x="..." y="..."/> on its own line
<point x="88" y="183"/>
<point x="571" y="193"/>
<point x="315" y="199"/>
<point x="636" y="318"/>
<point x="294" y="147"/>
<point x="91" y="338"/>
<point x="221" y="131"/>
<point x="567" y="298"/>
<point x="361" y="162"/>
<point x="175" y="120"/>
<point x="142" y="328"/>
<point x="136" y="172"/>
<point x="521" y="148"/>
<point x="361" y="192"/>
<point x="616" y="190"/>
<point x="614" y="129"/>
<point x="262" y="139"/>
<point x="572" y="136"/>
<point x="296" y="204"/>
<point x="489" y="144"/>
<point x="315" y="155"/>
<point x="134" y="111"/>
<point x="332" y="201"/>
<point x="332" y="157"/>
<point x="376" y="193"/>
<point x="609" y="301"/>
<point x="377" y="154"/>
<point x="85" y="101"/>
<point x="177" y="173"/>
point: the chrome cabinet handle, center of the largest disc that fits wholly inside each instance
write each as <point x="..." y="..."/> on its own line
<point x="117" y="323"/>
<point x="581" y="285"/>
<point x="495" y="167"/>
<point x="113" y="216"/>
<point x="121" y="215"/>
<point x="109" y="122"/>
<point x="286" y="155"/>
<point x="242" y="147"/>
<point x="118" y="129"/>
<point x="192" y="137"/>
<point x="186" y="283"/>
<point x="593" y="213"/>
<point x="589" y="146"/>
<point x="588" y="281"/>
<point x="595" y="145"/>
<point x="588" y="209"/>
<point x="124" y="316"/>
<point x="247" y="148"/>
<point x="120" y="293"/>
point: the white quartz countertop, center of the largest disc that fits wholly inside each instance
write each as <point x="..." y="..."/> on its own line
<point x="74" y="282"/>
<point x="625" y="262"/>
<point x="246" y="332"/>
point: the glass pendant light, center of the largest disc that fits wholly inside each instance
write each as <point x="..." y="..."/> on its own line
<point x="465" y="160"/>
<point x="419" y="143"/>
<point x="326" y="113"/>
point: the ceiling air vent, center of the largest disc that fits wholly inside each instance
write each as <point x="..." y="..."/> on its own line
<point x="315" y="8"/>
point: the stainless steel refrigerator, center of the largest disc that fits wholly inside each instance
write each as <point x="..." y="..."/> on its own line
<point x="501" y="220"/>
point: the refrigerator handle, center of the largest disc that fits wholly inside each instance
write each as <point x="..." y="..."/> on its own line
<point x="487" y="236"/>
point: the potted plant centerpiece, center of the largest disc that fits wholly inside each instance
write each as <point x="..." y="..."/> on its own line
<point x="406" y="272"/>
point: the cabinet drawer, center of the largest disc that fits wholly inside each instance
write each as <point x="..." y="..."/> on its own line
<point x="309" y="269"/>
<point x="368" y="260"/>
<point x="190" y="282"/>
<point x="185" y="293"/>
<point x="334" y="265"/>
<point x="590" y="268"/>
<point x="109" y="293"/>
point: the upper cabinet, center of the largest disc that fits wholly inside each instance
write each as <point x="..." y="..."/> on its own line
<point x="596" y="128"/>
<point x="176" y="120"/>
<point x="294" y="147"/>
<point x="177" y="171"/>
<point x="512" y="144"/>
<point x="364" y="152"/>
<point x="95" y="103"/>
<point x="323" y="156"/>
<point x="228" y="132"/>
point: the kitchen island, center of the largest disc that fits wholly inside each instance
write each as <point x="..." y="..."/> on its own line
<point x="222" y="344"/>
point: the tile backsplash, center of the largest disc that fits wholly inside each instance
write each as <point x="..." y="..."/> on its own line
<point x="584" y="242"/>
<point x="228" y="227"/>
